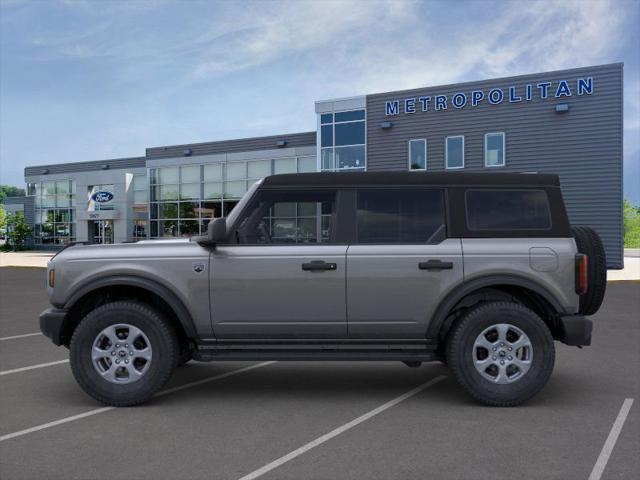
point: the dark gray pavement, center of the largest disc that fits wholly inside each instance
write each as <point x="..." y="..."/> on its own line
<point x="232" y="426"/>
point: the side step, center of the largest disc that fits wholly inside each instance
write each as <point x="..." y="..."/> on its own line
<point x="413" y="355"/>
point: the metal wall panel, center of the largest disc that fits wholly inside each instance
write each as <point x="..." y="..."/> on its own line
<point x="583" y="146"/>
<point x="96" y="165"/>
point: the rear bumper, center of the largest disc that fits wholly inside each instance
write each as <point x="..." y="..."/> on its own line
<point x="575" y="330"/>
<point x="51" y="324"/>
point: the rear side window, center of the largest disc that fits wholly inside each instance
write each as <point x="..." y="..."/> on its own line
<point x="507" y="210"/>
<point x="401" y="216"/>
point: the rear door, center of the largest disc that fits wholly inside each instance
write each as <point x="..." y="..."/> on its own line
<point x="401" y="264"/>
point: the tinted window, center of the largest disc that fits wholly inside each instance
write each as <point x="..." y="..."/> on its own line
<point x="400" y="216"/>
<point x="455" y="152"/>
<point x="349" y="133"/>
<point x="507" y="210"/>
<point x="288" y="218"/>
<point x="350" y="116"/>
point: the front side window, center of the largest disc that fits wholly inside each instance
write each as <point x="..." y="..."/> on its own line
<point x="292" y="217"/>
<point x="494" y="150"/>
<point x="507" y="210"/>
<point x="400" y="216"/>
<point x="342" y="140"/>
<point x="455" y="152"/>
<point x="418" y="154"/>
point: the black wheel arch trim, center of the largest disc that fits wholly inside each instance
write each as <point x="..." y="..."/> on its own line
<point x="439" y="318"/>
<point x="182" y="313"/>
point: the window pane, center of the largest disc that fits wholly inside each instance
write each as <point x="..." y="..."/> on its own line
<point x="190" y="173"/>
<point x="213" y="190"/>
<point x="62" y="187"/>
<point x="49" y="188"/>
<point x="306" y="164"/>
<point x="169" y="192"/>
<point x="211" y="210"/>
<point x="167" y="210"/>
<point x="349" y="133"/>
<point x="400" y="216"/>
<point x="189" y="209"/>
<point x="140" y="196"/>
<point x="507" y="210"/>
<point x="227" y="207"/>
<point x="213" y="172"/>
<point x="281" y="219"/>
<point x="259" y="169"/>
<point x="153" y="175"/>
<point x="168" y="228"/>
<point x="455" y="152"/>
<point x="327" y="158"/>
<point x="284" y="165"/>
<point x="189" y="191"/>
<point x="348" y="116"/>
<point x="236" y="171"/>
<point x="417" y="154"/>
<point x="494" y="149"/>
<point x="168" y="175"/>
<point x="326" y="118"/>
<point x="139" y="229"/>
<point x="139" y="183"/>
<point x="326" y="133"/>
<point x="189" y="228"/>
<point x="235" y="189"/>
<point x="350" y="157"/>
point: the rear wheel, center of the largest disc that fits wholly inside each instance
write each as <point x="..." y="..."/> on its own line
<point x="502" y="353"/>
<point x="123" y="352"/>
<point x="588" y="242"/>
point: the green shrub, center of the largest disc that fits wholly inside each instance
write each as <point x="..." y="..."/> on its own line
<point x="631" y="225"/>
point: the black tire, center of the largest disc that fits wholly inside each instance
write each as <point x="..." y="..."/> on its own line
<point x="460" y="348"/>
<point x="588" y="242"/>
<point x="163" y="342"/>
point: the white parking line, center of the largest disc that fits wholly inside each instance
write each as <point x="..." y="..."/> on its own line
<point x="334" y="433"/>
<point x="601" y="463"/>
<point x="32" y="367"/>
<point x="20" y="336"/>
<point x="97" y="411"/>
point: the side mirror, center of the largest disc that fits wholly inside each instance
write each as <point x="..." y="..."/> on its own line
<point x="217" y="230"/>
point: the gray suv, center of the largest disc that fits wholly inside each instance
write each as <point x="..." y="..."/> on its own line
<point x="479" y="271"/>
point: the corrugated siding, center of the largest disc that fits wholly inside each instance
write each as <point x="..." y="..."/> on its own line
<point x="231" y="146"/>
<point x="28" y="209"/>
<point x="583" y="146"/>
<point x="113" y="164"/>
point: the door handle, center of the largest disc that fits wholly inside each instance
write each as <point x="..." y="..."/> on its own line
<point x="318" y="265"/>
<point x="435" y="265"/>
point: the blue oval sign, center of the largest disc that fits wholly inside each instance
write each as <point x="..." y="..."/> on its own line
<point x="102" y="197"/>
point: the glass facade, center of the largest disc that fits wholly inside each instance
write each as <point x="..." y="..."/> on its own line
<point x="54" y="213"/>
<point x="342" y="141"/>
<point x="183" y="199"/>
<point x="140" y="226"/>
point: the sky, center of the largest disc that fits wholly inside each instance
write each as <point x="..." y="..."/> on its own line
<point x="89" y="80"/>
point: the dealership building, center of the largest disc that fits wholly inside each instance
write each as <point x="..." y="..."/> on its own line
<point x="567" y="122"/>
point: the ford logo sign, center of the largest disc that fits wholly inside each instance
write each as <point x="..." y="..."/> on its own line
<point x="102" y="197"/>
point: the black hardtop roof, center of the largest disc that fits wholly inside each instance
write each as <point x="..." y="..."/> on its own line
<point x="411" y="178"/>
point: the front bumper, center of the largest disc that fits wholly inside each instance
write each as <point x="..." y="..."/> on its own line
<point x="575" y="330"/>
<point x="52" y="323"/>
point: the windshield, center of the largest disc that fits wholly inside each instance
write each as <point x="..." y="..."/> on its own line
<point x="233" y="216"/>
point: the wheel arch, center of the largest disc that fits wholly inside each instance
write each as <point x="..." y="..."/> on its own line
<point x="118" y="287"/>
<point x="493" y="288"/>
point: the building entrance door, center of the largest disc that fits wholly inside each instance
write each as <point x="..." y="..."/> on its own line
<point x="101" y="231"/>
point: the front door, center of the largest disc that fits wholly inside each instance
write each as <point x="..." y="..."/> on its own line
<point x="101" y="231"/>
<point x="284" y="274"/>
<point x="402" y="263"/>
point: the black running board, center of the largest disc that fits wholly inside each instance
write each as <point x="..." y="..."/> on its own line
<point x="210" y="355"/>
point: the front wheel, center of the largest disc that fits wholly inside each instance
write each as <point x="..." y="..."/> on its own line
<point x="502" y="353"/>
<point x="123" y="352"/>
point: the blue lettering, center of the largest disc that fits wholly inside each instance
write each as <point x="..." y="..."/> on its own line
<point x="544" y="89"/>
<point x="391" y="107"/>
<point x="563" y="89"/>
<point x="410" y="105"/>
<point x="512" y="95"/>
<point x="425" y="103"/>
<point x="585" y="85"/>
<point x="496" y="96"/>
<point x="529" y="92"/>
<point x="459" y="100"/>
<point x="441" y="102"/>
<point x="476" y="97"/>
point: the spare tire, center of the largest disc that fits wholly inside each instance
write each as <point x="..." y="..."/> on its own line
<point x="589" y="243"/>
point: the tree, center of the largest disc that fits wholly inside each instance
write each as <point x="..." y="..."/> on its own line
<point x="3" y="218"/>
<point x="10" y="191"/>
<point x="631" y="225"/>
<point x="17" y="231"/>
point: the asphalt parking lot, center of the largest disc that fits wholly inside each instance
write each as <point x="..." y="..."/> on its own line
<point x="279" y="420"/>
